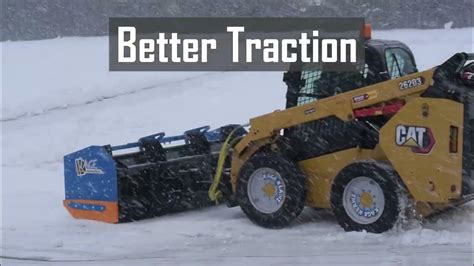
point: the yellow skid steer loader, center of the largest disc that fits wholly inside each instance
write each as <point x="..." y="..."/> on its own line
<point x="364" y="153"/>
<point x="367" y="144"/>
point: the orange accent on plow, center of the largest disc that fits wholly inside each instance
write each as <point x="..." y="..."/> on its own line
<point x="109" y="215"/>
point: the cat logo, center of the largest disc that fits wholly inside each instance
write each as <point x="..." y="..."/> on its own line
<point x="87" y="167"/>
<point x="420" y="139"/>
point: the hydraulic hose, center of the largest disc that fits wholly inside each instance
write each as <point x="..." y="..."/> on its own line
<point x="214" y="193"/>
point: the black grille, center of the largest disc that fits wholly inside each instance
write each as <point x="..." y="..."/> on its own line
<point x="329" y="135"/>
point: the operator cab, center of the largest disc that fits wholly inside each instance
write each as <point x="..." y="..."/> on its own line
<point x="384" y="60"/>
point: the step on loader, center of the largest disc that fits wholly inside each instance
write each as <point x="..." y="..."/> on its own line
<point x="370" y="145"/>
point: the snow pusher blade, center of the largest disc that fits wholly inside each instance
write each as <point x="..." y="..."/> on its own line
<point x="151" y="177"/>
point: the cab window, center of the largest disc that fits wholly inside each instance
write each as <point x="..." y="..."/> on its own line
<point x="323" y="84"/>
<point x="399" y="63"/>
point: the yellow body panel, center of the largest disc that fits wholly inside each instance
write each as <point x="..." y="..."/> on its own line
<point x="321" y="171"/>
<point x="437" y="175"/>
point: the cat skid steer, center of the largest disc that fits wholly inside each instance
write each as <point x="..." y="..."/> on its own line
<point x="370" y="146"/>
<point x="366" y="144"/>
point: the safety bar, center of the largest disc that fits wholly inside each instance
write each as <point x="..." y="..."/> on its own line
<point x="125" y="146"/>
<point x="173" y="138"/>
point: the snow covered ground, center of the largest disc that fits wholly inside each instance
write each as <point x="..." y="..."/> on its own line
<point x="59" y="97"/>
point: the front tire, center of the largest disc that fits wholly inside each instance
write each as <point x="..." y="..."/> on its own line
<point x="368" y="197"/>
<point x="271" y="190"/>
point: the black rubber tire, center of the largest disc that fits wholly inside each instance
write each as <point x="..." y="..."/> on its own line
<point x="388" y="181"/>
<point x="295" y="189"/>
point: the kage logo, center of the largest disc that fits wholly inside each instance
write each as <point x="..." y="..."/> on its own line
<point x="420" y="139"/>
<point x="87" y="167"/>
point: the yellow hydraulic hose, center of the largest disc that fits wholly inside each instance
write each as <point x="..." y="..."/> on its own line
<point x="214" y="193"/>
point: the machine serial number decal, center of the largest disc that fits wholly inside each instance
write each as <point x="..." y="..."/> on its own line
<point x="411" y="83"/>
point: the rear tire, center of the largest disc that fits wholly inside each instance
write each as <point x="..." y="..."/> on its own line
<point x="271" y="190"/>
<point x="368" y="197"/>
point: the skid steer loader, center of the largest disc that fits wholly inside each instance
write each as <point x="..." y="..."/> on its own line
<point x="366" y="144"/>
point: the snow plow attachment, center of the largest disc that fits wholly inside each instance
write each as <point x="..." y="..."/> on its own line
<point x="154" y="176"/>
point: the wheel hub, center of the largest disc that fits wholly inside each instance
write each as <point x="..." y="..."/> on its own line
<point x="266" y="190"/>
<point x="363" y="200"/>
<point x="269" y="190"/>
<point x="366" y="200"/>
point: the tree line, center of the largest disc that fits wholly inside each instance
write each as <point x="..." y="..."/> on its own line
<point x="44" y="19"/>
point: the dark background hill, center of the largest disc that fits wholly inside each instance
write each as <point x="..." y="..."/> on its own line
<point x="43" y="19"/>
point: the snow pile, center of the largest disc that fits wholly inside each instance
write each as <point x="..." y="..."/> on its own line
<point x="42" y="77"/>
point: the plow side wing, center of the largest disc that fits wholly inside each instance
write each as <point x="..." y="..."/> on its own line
<point x="90" y="181"/>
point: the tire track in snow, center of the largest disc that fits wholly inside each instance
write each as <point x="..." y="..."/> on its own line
<point x="103" y="98"/>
